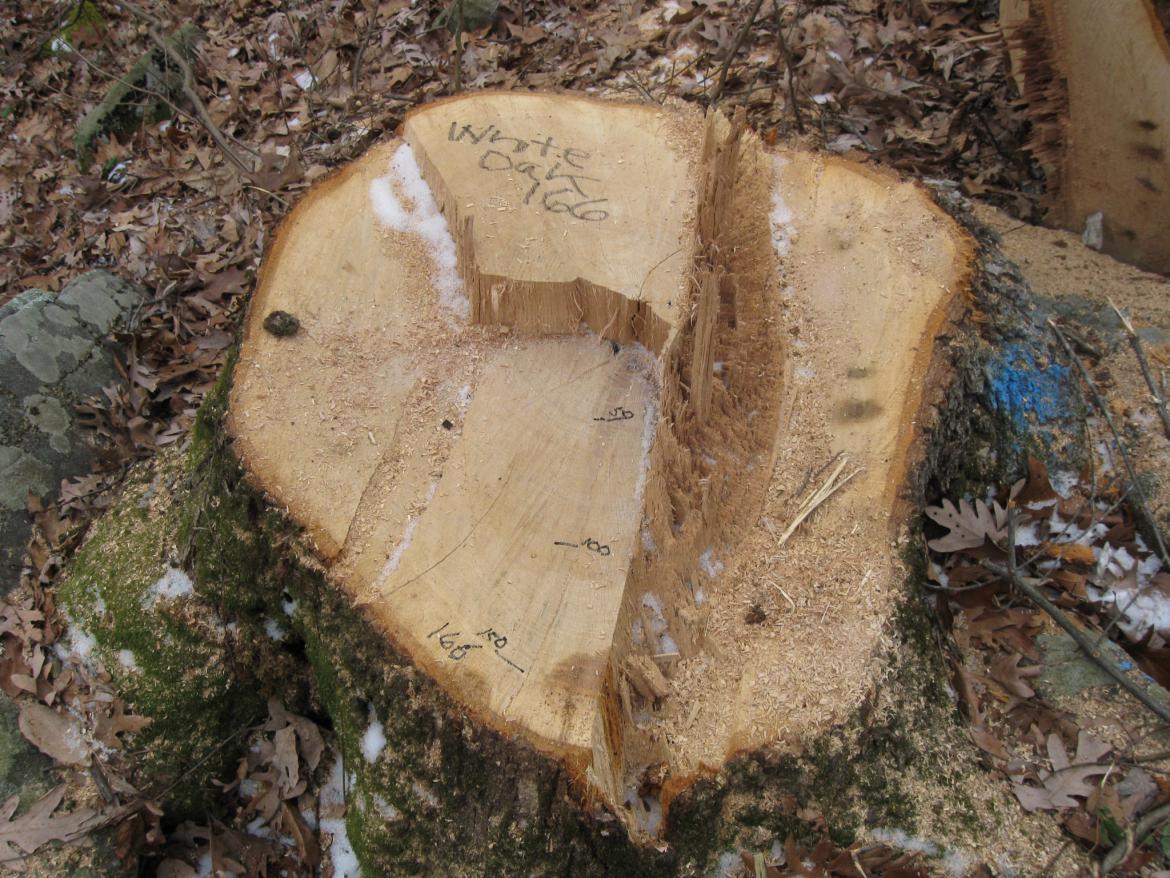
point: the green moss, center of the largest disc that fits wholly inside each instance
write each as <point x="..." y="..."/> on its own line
<point x="201" y="666"/>
<point x="170" y="659"/>
<point x="84" y="21"/>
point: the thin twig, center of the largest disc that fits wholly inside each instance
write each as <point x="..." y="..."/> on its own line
<point x="1135" y="485"/>
<point x="1012" y="574"/>
<point x="830" y="487"/>
<point x="786" y="54"/>
<point x="739" y="38"/>
<point x="457" y="86"/>
<point x="1122" y="850"/>
<point x="355" y="73"/>
<point x="1135" y="342"/>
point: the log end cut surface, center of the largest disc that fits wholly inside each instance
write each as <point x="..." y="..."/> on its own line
<point x="570" y="375"/>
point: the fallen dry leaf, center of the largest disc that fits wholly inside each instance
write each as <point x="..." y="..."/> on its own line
<point x="57" y="735"/>
<point x="970" y="526"/>
<point x="39" y="825"/>
<point x="1068" y="779"/>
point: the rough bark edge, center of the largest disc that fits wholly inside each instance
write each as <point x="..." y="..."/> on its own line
<point x="472" y="801"/>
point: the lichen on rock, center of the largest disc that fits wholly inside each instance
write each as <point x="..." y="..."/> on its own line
<point x="52" y="356"/>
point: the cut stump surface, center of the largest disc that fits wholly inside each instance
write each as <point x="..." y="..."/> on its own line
<point x="567" y="373"/>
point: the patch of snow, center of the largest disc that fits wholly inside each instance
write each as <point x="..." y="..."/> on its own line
<point x="648" y="544"/>
<point x="388" y="811"/>
<point x="729" y="864"/>
<point x="899" y="839"/>
<point x="652" y="603"/>
<point x="711" y="565"/>
<point x="666" y="644"/>
<point x="1104" y="453"/>
<point x="289" y="607"/>
<point x="700" y="597"/>
<point x="642" y="362"/>
<point x="272" y="629"/>
<point x="637" y="635"/>
<point x="173" y="584"/>
<point x="403" y="544"/>
<point x="332" y="800"/>
<point x="81" y="644"/>
<point x="464" y="396"/>
<point x="1028" y="535"/>
<point x="203" y="868"/>
<point x="959" y="863"/>
<point x="780" y="217"/>
<point x="127" y="660"/>
<point x="424" y="219"/>
<point x="341" y="852"/>
<point x="806" y="373"/>
<point x="1113" y="560"/>
<point x="374" y="740"/>
<point x="822" y="98"/>
<point x="305" y="79"/>
<point x="1138" y="611"/>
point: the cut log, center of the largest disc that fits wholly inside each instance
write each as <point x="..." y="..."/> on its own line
<point x="1096" y="79"/>
<point x="582" y="394"/>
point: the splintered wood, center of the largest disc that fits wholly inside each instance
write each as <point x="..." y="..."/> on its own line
<point x="567" y="370"/>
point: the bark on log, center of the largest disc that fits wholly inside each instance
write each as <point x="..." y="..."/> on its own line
<point x="1096" y="79"/>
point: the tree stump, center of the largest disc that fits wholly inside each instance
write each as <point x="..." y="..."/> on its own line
<point x="603" y="414"/>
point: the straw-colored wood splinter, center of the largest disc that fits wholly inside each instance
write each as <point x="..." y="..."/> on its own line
<point x="562" y="365"/>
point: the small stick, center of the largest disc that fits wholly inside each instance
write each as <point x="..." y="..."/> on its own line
<point x="1135" y="342"/>
<point x="1135" y="485"/>
<point x="817" y="497"/>
<point x="1129" y="469"/>
<point x="457" y="85"/>
<point x="1117" y="856"/>
<point x="786" y="52"/>
<point x="1011" y="574"/>
<point x="739" y="38"/>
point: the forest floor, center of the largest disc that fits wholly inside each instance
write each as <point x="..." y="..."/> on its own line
<point x="187" y="205"/>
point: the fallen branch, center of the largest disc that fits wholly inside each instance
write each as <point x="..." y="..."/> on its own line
<point x="735" y="46"/>
<point x="188" y="84"/>
<point x="1135" y="342"/>
<point x="1122" y="850"/>
<point x="1012" y="575"/>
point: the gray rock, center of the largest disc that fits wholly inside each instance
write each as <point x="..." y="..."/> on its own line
<point x="52" y="355"/>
